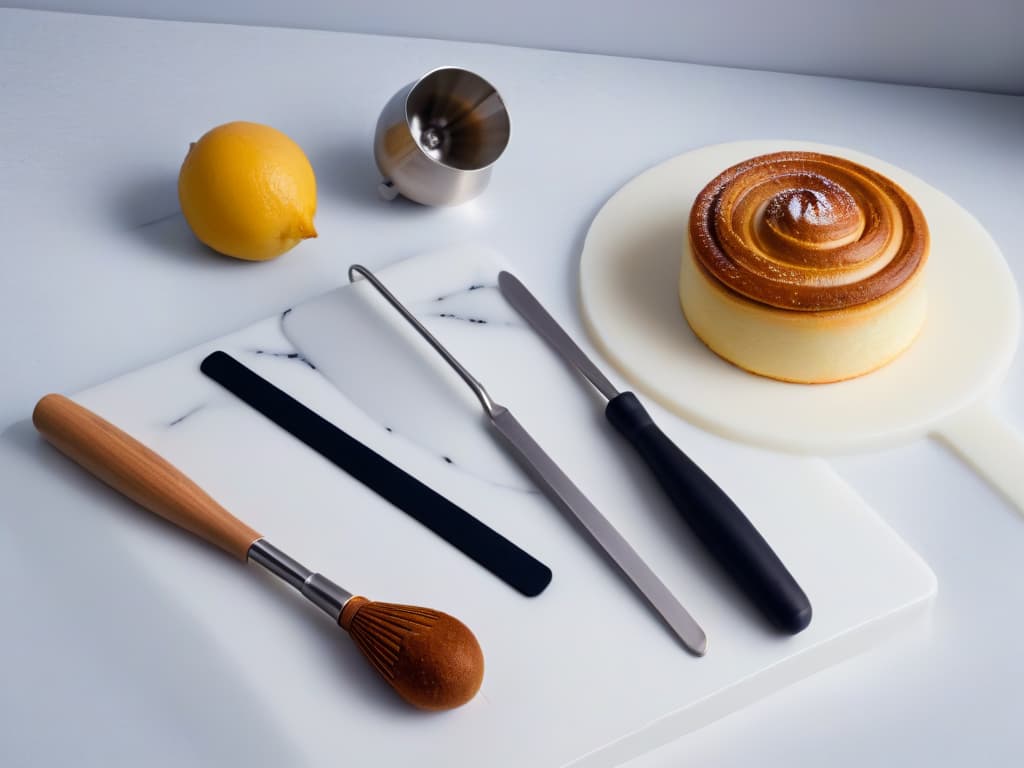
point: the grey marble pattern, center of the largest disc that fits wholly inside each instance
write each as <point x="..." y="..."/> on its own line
<point x="393" y="376"/>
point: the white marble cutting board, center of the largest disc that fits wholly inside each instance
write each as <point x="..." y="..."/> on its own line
<point x="583" y="674"/>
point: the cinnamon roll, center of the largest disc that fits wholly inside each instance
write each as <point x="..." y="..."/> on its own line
<point x="804" y="267"/>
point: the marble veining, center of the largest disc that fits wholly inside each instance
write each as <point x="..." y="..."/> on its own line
<point x="186" y="414"/>
<point x="464" y="318"/>
<point x="472" y="287"/>
<point x="293" y="355"/>
<point x="484" y="308"/>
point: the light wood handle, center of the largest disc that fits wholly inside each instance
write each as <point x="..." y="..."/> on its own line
<point x="127" y="465"/>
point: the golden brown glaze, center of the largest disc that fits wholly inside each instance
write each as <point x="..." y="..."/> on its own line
<point x="808" y="232"/>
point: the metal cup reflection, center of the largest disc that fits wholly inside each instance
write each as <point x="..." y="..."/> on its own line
<point x="439" y="136"/>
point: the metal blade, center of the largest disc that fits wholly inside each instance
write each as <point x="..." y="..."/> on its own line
<point x="569" y="498"/>
<point x="526" y="304"/>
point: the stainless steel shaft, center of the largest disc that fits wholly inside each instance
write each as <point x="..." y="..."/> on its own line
<point x="318" y="589"/>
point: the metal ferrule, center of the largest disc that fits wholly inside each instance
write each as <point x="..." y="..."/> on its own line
<point x="318" y="589"/>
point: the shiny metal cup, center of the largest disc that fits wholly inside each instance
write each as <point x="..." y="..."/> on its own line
<point x="438" y="137"/>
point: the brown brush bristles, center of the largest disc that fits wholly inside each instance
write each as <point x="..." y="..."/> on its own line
<point x="430" y="658"/>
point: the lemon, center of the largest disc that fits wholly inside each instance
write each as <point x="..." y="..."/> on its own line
<point x="248" y="191"/>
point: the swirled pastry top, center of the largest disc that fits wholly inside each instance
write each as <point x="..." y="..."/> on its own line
<point x="806" y="231"/>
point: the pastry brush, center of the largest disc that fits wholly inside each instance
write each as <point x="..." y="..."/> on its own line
<point x="431" y="659"/>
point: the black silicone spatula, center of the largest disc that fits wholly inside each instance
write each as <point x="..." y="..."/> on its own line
<point x="716" y="520"/>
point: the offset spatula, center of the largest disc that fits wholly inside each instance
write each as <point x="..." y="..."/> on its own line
<point x="724" y="530"/>
<point x="560" y="489"/>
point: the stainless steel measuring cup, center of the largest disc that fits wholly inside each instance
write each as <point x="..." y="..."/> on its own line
<point x="438" y="137"/>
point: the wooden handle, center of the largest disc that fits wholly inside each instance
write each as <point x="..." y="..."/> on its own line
<point x="127" y="465"/>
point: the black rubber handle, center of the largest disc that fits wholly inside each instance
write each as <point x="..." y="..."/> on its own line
<point x="714" y="518"/>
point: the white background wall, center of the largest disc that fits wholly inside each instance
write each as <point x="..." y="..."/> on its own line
<point x="975" y="44"/>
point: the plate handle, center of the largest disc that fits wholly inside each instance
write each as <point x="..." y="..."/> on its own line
<point x="991" y="445"/>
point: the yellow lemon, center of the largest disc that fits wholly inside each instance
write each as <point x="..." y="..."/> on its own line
<point x="248" y="191"/>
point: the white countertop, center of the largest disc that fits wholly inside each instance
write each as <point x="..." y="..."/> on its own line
<point x="101" y="276"/>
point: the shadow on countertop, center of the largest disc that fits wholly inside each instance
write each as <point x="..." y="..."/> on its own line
<point x="346" y="173"/>
<point x="147" y="209"/>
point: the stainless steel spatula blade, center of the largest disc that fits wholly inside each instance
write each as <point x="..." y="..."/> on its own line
<point x="561" y="490"/>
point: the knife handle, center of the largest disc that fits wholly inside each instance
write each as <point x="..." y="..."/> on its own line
<point x="714" y="518"/>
